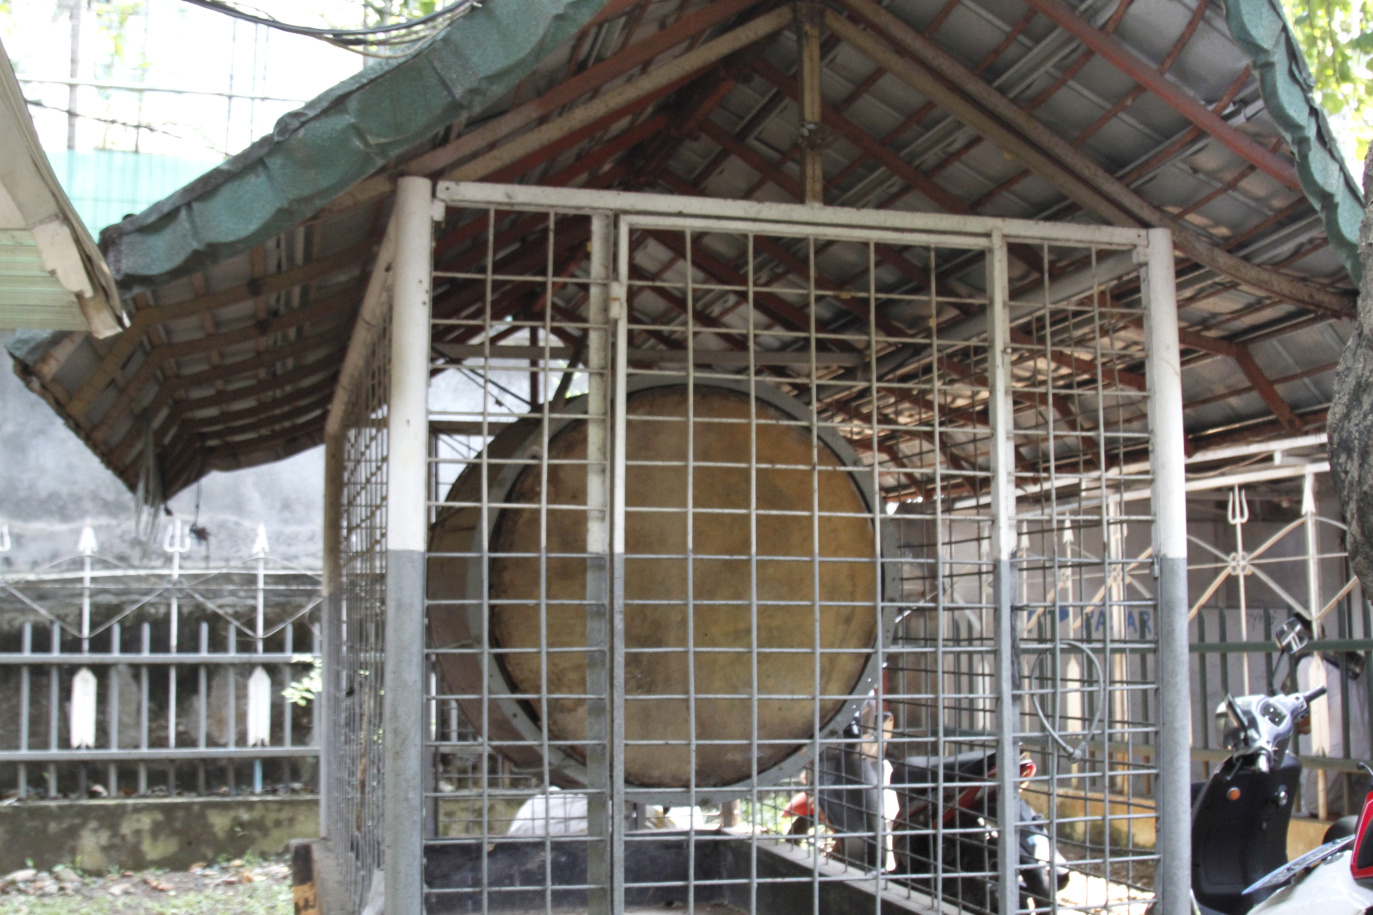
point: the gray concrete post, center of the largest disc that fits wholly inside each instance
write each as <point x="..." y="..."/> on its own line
<point x="1174" y="836"/>
<point x="406" y="528"/>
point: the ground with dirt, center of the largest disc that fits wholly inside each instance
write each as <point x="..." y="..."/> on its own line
<point x="239" y="887"/>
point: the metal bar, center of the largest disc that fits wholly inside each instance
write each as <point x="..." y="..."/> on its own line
<point x="54" y="705"/>
<point x="145" y="647"/>
<point x="1283" y="444"/>
<point x="973" y="229"/>
<point x="1326" y="645"/>
<point x="156" y="754"/>
<point x="160" y="660"/>
<point x="1003" y="550"/>
<point x="1201" y="484"/>
<point x="112" y="710"/>
<point x="1168" y="454"/>
<point x="618" y="314"/>
<point x="1327" y="763"/>
<point x="137" y="87"/>
<point x="406" y="529"/>
<point x="26" y="648"/>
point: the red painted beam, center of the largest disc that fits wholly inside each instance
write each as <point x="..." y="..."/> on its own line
<point x="570" y="90"/>
<point x="1177" y="98"/>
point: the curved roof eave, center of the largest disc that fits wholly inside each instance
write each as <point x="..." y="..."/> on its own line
<point x="1261" y="30"/>
<point x="320" y="150"/>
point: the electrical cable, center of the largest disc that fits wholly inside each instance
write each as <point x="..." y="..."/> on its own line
<point x="1071" y="753"/>
<point x="392" y="33"/>
<point x="131" y="126"/>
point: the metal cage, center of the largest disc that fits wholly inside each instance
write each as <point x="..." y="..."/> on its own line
<point x="720" y="554"/>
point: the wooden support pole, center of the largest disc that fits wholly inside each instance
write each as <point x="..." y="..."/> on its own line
<point x="810" y="18"/>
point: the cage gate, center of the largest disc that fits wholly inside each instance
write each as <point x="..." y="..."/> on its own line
<point x="731" y="549"/>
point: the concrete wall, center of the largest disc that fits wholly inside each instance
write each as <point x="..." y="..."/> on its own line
<point x="136" y="834"/>
<point x="51" y="486"/>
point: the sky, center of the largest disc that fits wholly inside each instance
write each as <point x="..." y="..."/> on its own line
<point x="171" y="44"/>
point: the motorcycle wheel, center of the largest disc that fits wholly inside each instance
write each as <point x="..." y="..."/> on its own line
<point x="1037" y="889"/>
<point x="972" y="852"/>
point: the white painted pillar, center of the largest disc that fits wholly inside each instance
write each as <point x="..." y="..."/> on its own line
<point x="1168" y="458"/>
<point x="406" y="527"/>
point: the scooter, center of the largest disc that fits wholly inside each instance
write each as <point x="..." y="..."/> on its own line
<point x="848" y="797"/>
<point x="848" y="801"/>
<point x="1334" y="879"/>
<point x="960" y="825"/>
<point x="1241" y="813"/>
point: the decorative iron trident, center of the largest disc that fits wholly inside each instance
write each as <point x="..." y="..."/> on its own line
<point x="175" y="542"/>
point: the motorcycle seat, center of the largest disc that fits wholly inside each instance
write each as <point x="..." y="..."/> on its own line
<point x="923" y="769"/>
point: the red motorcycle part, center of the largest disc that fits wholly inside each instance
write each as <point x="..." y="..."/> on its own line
<point x="800" y="806"/>
<point x="1361" y="862"/>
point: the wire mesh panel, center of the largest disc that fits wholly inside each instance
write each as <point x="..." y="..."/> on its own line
<point x="1087" y="625"/>
<point x="775" y="566"/>
<point x="518" y="574"/>
<point x="355" y="617"/>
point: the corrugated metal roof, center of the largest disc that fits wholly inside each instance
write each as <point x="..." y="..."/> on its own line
<point x="323" y="149"/>
<point x="51" y="274"/>
<point x="1261" y="29"/>
<point x="244" y="284"/>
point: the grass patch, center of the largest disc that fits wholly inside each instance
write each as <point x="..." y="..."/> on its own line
<point x="259" y="898"/>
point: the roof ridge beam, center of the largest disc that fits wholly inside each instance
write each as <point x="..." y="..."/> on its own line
<point x="676" y="70"/>
<point x="568" y="91"/>
<point x="589" y="80"/>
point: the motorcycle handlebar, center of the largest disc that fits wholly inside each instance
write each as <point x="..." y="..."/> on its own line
<point x="1313" y="695"/>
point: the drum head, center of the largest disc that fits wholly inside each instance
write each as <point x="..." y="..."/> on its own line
<point x="779" y="522"/>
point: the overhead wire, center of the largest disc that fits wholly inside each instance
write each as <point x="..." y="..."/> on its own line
<point x="198" y="141"/>
<point x="357" y="40"/>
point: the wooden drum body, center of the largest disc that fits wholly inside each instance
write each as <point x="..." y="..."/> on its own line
<point x="690" y="580"/>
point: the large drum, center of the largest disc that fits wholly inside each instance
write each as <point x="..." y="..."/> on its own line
<point x="799" y="519"/>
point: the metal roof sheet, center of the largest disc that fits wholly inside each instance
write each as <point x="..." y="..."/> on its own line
<point x="51" y="274"/>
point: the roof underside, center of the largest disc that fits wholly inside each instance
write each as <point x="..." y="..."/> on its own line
<point x="245" y="285"/>
<point x="51" y="274"/>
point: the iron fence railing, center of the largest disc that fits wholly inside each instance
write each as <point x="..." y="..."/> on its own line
<point x="158" y="680"/>
<point x="1264" y="554"/>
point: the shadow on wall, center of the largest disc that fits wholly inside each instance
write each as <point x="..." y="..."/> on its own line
<point x="51" y="486"/>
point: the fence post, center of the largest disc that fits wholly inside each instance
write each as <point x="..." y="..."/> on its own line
<point x="1173" y="798"/>
<point x="406" y="526"/>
